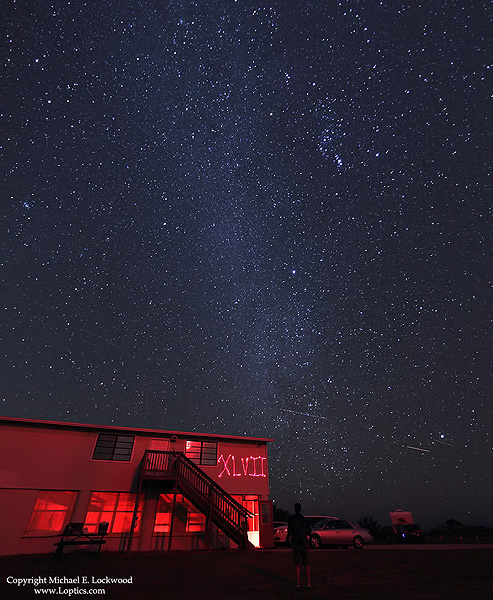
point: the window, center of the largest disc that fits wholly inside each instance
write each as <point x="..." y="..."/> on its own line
<point x="202" y="453"/>
<point x="337" y="525"/>
<point x="113" y="447"/>
<point x="342" y="525"/>
<point x="162" y="521"/>
<point x="265" y="513"/>
<point x="160" y="444"/>
<point x="194" y="518"/>
<point x="51" y="511"/>
<point x="114" y="508"/>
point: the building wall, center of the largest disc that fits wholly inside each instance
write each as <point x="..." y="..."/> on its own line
<point x="62" y="459"/>
<point x="241" y="468"/>
<point x="34" y="458"/>
<point x="16" y="506"/>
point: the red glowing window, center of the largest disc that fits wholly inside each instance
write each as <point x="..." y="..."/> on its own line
<point x="195" y="520"/>
<point x="114" y="508"/>
<point x="184" y="510"/>
<point x="162" y="521"/>
<point x="51" y="511"/>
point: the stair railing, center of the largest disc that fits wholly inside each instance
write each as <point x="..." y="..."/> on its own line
<point x="213" y="499"/>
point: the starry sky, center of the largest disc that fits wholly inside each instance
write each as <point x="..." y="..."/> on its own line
<point x="260" y="218"/>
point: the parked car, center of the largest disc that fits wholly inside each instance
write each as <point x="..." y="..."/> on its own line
<point x="335" y="532"/>
<point x="410" y="533"/>
<point x="281" y="531"/>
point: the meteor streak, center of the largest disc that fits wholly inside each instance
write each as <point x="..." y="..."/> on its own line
<point x="420" y="449"/>
<point x="440" y="442"/>
<point x="302" y="413"/>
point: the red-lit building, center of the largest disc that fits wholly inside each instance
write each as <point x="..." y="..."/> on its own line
<point x="157" y="490"/>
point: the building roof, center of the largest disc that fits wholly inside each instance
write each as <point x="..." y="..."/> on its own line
<point x="137" y="430"/>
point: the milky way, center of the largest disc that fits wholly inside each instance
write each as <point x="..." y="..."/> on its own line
<point x="261" y="219"/>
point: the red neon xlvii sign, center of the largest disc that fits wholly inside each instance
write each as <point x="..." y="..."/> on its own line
<point x="251" y="466"/>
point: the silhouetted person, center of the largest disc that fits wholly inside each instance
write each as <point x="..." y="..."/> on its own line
<point x="298" y="536"/>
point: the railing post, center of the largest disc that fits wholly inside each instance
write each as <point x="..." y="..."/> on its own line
<point x="172" y="518"/>
<point x="134" y="517"/>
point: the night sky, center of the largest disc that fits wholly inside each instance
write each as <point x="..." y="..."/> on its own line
<point x="258" y="218"/>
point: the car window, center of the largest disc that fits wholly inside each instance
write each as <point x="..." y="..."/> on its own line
<point x="318" y="524"/>
<point x="342" y="525"/>
<point x="314" y="520"/>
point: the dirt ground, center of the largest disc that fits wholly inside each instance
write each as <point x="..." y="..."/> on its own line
<point x="369" y="574"/>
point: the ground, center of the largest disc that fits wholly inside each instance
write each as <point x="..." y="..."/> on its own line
<point x="424" y="573"/>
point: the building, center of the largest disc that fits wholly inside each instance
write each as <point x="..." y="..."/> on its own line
<point x="157" y="490"/>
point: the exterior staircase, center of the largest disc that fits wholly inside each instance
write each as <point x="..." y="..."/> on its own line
<point x="210" y="498"/>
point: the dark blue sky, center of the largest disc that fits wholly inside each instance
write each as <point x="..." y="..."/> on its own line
<point x="258" y="218"/>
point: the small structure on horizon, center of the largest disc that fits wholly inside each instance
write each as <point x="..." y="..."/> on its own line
<point x="399" y="518"/>
<point x="404" y="527"/>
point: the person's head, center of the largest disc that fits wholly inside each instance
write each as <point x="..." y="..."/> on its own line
<point x="297" y="508"/>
